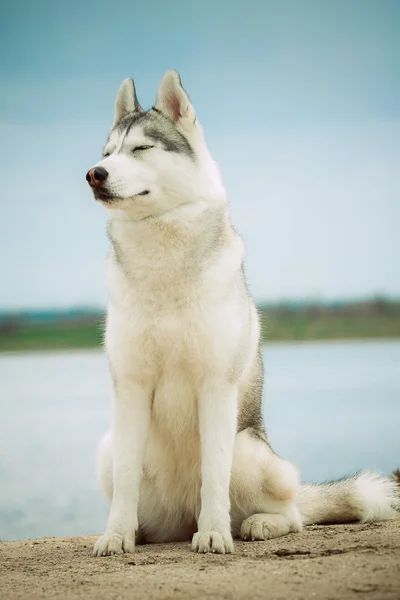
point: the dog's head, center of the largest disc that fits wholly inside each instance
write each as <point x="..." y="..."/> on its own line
<point x="157" y="160"/>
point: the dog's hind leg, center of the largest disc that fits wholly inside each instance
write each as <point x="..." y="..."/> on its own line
<point x="263" y="490"/>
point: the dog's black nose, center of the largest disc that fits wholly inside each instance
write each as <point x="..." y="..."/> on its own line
<point x="96" y="176"/>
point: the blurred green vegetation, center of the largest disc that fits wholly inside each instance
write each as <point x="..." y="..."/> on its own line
<point x="328" y="327"/>
<point x="52" y="337"/>
<point x="53" y="330"/>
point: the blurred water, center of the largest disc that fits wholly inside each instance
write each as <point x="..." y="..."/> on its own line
<point x="331" y="408"/>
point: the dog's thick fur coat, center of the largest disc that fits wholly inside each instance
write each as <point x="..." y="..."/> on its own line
<point x="188" y="456"/>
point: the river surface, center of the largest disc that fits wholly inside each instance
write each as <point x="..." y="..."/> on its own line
<point x="331" y="408"/>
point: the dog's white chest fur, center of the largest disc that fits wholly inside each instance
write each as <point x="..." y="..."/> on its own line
<point x="166" y="295"/>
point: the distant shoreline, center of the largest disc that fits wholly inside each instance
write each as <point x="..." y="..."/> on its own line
<point x="286" y="322"/>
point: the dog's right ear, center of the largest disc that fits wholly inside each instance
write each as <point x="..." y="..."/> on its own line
<point x="126" y="101"/>
<point x="173" y="101"/>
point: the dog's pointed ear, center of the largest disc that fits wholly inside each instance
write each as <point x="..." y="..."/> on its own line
<point x="173" y="101"/>
<point x="126" y="101"/>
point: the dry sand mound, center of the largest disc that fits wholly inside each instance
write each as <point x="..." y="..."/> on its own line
<point x="338" y="562"/>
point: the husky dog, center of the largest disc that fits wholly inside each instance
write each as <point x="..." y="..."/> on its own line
<point x="188" y="456"/>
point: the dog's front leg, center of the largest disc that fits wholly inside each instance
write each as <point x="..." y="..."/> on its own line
<point x="217" y="422"/>
<point x="131" y="412"/>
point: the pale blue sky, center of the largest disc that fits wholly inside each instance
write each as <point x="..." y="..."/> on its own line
<point x="300" y="101"/>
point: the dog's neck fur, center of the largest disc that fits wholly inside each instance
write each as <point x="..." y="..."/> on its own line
<point x="175" y="249"/>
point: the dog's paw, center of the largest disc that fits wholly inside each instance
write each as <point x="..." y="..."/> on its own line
<point x="114" y="543"/>
<point x="212" y="541"/>
<point x="261" y="527"/>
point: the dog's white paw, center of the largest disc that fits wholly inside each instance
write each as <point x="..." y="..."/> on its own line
<point x="264" y="527"/>
<point x="212" y="541"/>
<point x="114" y="543"/>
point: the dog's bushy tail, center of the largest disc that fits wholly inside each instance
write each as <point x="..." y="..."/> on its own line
<point x="363" y="497"/>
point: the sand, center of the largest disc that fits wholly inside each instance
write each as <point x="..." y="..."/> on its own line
<point x="335" y="562"/>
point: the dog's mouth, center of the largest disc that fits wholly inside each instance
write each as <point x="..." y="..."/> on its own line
<point x="104" y="197"/>
<point x="110" y="199"/>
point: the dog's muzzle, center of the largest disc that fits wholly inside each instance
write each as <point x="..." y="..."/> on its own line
<point x="96" y="177"/>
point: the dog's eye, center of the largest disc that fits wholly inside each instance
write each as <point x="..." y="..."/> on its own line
<point x="142" y="148"/>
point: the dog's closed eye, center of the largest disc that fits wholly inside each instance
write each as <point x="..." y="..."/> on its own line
<point x="137" y="148"/>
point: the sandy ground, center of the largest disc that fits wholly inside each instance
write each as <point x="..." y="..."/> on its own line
<point x="339" y="562"/>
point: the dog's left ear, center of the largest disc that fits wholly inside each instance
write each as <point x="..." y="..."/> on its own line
<point x="126" y="101"/>
<point x="173" y="101"/>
